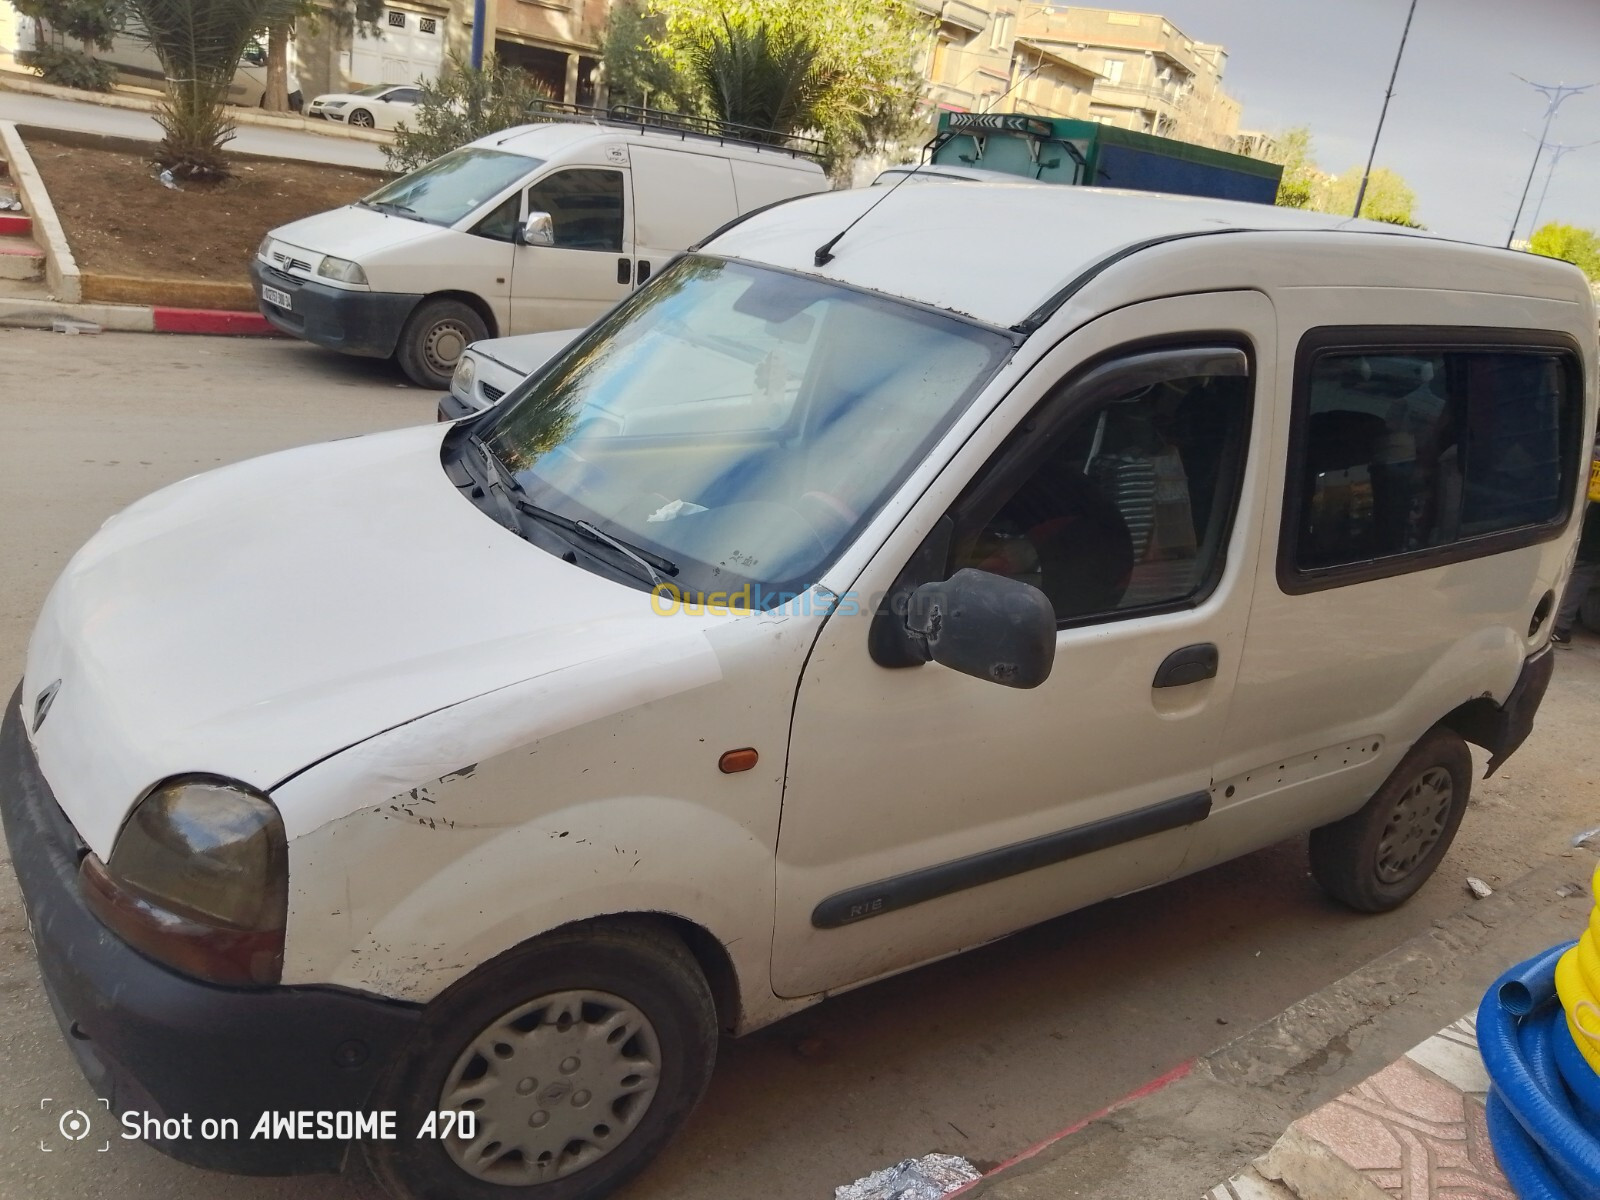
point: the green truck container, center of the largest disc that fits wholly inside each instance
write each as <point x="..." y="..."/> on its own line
<point x="1058" y="150"/>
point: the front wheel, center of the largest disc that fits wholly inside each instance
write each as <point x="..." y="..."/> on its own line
<point x="361" y="119"/>
<point x="578" y="1055"/>
<point x="433" y="339"/>
<point x="1379" y="856"/>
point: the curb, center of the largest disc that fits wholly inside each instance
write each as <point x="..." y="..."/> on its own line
<point x="1205" y="1121"/>
<point x="60" y="268"/>
<point x="11" y="81"/>
<point x="24" y="313"/>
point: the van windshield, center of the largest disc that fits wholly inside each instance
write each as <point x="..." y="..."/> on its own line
<point x="452" y="186"/>
<point x="739" y="424"/>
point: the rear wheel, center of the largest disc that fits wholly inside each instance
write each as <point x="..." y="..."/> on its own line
<point x="361" y="119"/>
<point x="433" y="339"/>
<point x="1378" y="857"/>
<point x="578" y="1056"/>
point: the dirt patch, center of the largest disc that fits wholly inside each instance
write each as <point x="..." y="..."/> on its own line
<point x="120" y="220"/>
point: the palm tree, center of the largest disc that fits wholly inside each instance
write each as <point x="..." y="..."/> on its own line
<point x="199" y="43"/>
<point x="761" y="75"/>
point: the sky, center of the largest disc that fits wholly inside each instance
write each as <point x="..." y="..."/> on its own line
<point x="1461" y="128"/>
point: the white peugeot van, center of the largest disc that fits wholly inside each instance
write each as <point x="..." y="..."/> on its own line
<point x="895" y="571"/>
<point x="534" y="228"/>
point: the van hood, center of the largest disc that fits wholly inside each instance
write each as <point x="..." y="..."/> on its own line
<point x="256" y="619"/>
<point x="353" y="232"/>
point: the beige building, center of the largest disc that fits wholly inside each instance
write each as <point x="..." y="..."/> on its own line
<point x="977" y="63"/>
<point x="1150" y="76"/>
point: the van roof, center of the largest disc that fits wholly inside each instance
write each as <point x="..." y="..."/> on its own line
<point x="1005" y="252"/>
<point x="546" y="138"/>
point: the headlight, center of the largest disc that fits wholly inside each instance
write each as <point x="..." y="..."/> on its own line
<point x="333" y="103"/>
<point x="264" y="251"/>
<point x="198" y="879"/>
<point x="461" y="381"/>
<point x="341" y="269"/>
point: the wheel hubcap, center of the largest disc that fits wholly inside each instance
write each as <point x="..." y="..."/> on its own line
<point x="1415" y="824"/>
<point x="555" y="1085"/>
<point x="444" y="344"/>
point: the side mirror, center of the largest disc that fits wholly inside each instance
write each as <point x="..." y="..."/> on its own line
<point x="537" y="230"/>
<point x="986" y="626"/>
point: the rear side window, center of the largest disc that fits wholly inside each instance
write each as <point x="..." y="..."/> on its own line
<point x="1409" y="451"/>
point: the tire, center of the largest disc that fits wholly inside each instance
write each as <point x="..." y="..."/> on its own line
<point x="362" y="119"/>
<point x="433" y="338"/>
<point x="550" y="1000"/>
<point x="1376" y="858"/>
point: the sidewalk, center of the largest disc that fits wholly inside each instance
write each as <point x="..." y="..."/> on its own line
<point x="1367" y="1090"/>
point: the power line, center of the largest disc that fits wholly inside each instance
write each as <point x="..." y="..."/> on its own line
<point x="1555" y="94"/>
<point x="1557" y="153"/>
<point x="1361" y="192"/>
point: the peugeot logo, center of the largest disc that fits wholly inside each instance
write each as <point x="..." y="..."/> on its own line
<point x="42" y="703"/>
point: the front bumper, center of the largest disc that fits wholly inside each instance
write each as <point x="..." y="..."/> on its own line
<point x="152" y="1041"/>
<point x="452" y="408"/>
<point x="364" y="323"/>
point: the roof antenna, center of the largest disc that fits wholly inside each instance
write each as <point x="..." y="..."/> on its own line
<point x="824" y="254"/>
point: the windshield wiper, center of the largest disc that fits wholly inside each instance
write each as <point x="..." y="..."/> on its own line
<point x="654" y="565"/>
<point x="499" y="483"/>
<point x="508" y="496"/>
<point x="396" y="210"/>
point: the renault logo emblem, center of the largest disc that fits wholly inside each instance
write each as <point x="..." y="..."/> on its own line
<point x="42" y="703"/>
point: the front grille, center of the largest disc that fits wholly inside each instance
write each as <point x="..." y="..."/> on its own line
<point x="285" y="263"/>
<point x="490" y="392"/>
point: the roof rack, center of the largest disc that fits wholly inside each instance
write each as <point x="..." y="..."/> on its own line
<point x="686" y="125"/>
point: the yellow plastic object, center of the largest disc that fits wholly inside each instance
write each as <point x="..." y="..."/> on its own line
<point x="1578" y="985"/>
<point x="1594" y="480"/>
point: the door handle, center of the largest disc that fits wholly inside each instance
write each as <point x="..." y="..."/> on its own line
<point x="1188" y="665"/>
<point x="624" y="271"/>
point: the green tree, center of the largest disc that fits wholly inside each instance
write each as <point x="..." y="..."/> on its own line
<point x="1580" y="247"/>
<point x="1298" y="185"/>
<point x="92" y="23"/>
<point x="199" y="43"/>
<point x="636" y="71"/>
<point x="859" y="80"/>
<point x="461" y="106"/>
<point x="1388" y="197"/>
<point x="755" y="73"/>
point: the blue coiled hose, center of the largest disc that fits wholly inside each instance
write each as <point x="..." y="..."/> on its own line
<point x="1545" y="1099"/>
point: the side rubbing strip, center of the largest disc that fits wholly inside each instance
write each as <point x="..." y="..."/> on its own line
<point x="902" y="891"/>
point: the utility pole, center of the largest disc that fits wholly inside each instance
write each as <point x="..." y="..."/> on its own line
<point x="1555" y="94"/>
<point x="1557" y="153"/>
<point x="1361" y="192"/>
<point x="479" y="17"/>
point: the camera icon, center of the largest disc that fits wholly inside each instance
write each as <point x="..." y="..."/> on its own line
<point x="73" y="1125"/>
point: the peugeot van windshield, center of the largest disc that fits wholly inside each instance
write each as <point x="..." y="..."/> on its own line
<point x="451" y="186"/>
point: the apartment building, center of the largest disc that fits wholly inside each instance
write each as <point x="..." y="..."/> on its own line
<point x="977" y="63"/>
<point x="1150" y="76"/>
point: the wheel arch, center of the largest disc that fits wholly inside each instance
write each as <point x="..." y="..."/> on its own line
<point x="471" y="299"/>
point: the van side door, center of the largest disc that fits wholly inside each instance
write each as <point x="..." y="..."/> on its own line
<point x="926" y="811"/>
<point x="1430" y="459"/>
<point x="590" y="266"/>
<point x="682" y="196"/>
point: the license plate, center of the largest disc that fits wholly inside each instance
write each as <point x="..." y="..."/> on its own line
<point x="273" y="296"/>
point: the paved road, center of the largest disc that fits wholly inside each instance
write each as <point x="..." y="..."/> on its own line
<point x="53" y="113"/>
<point x="979" y="1055"/>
